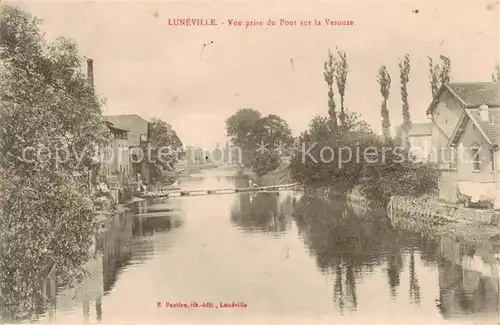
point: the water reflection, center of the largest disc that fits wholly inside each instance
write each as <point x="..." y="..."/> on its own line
<point x="349" y="243"/>
<point x="370" y="262"/>
<point x="263" y="212"/>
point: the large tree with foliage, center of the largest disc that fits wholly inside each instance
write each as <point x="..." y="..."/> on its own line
<point x="271" y="137"/>
<point x="238" y="128"/>
<point x="384" y="80"/>
<point x="322" y="159"/>
<point x="166" y="147"/>
<point x="46" y="213"/>
<point x="404" y="70"/>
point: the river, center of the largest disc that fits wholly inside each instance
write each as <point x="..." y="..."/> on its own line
<point x="288" y="259"/>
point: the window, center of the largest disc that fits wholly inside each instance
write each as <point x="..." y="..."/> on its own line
<point x="476" y="160"/>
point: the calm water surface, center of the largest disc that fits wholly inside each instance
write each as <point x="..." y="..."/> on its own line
<point x="289" y="258"/>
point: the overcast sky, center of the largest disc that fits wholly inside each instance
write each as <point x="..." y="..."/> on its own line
<point x="146" y="67"/>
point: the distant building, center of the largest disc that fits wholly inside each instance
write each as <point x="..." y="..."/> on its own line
<point x="138" y="139"/>
<point x="419" y="136"/>
<point x="115" y="163"/>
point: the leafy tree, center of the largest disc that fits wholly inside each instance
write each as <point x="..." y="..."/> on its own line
<point x="341" y="70"/>
<point x="166" y="146"/>
<point x="384" y="80"/>
<point x="439" y="74"/>
<point x="46" y="212"/>
<point x="271" y="137"/>
<point x="318" y="129"/>
<point x="329" y="75"/>
<point x="271" y="130"/>
<point x="394" y="173"/>
<point x="323" y="160"/>
<point x="238" y="128"/>
<point x="404" y="68"/>
<point x="495" y="77"/>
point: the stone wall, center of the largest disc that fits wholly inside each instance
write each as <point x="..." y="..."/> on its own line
<point x="426" y="208"/>
<point x="440" y="212"/>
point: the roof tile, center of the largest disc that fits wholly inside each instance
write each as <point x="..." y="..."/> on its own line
<point x="475" y="94"/>
<point x="490" y="128"/>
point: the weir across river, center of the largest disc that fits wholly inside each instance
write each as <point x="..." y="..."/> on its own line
<point x="212" y="191"/>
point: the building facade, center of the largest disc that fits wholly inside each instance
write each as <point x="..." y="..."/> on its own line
<point x="137" y="142"/>
<point x="476" y="140"/>
<point x="463" y="138"/>
<point x="419" y="138"/>
<point x="115" y="167"/>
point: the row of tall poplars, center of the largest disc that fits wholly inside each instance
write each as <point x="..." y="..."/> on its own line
<point x="344" y="131"/>
<point x="439" y="74"/>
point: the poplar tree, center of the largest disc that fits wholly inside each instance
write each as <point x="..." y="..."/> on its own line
<point x="404" y="69"/>
<point x="341" y="70"/>
<point x="384" y="80"/>
<point x="439" y="74"/>
<point x="495" y="77"/>
<point x="329" y="75"/>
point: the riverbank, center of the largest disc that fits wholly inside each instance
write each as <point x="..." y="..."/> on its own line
<point x="426" y="212"/>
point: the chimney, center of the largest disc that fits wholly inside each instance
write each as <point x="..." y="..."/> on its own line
<point x="483" y="113"/>
<point x="90" y="73"/>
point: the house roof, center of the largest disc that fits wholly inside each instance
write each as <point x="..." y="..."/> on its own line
<point x="420" y="129"/>
<point x="470" y="94"/>
<point x="135" y="125"/>
<point x="489" y="129"/>
<point x="112" y="127"/>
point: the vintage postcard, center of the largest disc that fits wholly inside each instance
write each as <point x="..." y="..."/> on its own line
<point x="249" y="162"/>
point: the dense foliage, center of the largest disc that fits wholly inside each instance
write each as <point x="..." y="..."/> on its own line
<point x="46" y="212"/>
<point x="166" y="147"/>
<point x="395" y="173"/>
<point x="360" y="158"/>
<point x="271" y="136"/>
<point x="263" y="141"/>
<point x="323" y="159"/>
<point x="238" y="128"/>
